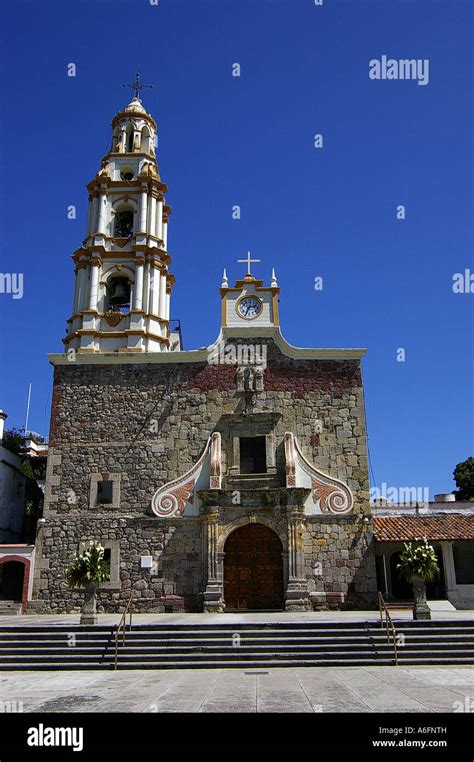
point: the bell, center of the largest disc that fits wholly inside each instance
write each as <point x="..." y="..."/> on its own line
<point x="120" y="292"/>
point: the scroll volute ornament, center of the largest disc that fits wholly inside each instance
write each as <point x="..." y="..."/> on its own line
<point x="171" y="500"/>
<point x="328" y="494"/>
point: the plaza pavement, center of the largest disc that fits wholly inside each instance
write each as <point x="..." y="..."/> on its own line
<point x="331" y="689"/>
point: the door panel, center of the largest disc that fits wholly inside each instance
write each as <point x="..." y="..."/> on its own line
<point x="253" y="569"/>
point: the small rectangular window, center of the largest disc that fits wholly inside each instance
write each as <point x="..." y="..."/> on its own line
<point x="104" y="493"/>
<point x="253" y="458"/>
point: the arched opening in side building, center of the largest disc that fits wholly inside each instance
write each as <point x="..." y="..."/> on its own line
<point x="12" y="577"/>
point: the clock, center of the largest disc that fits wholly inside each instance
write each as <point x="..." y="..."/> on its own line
<point x="249" y="307"/>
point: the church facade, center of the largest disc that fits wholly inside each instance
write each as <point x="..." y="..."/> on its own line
<point x="228" y="478"/>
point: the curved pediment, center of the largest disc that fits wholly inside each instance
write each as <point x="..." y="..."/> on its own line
<point x="328" y="494"/>
<point x="178" y="497"/>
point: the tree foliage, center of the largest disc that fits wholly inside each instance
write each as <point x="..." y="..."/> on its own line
<point x="464" y="478"/>
<point x="14" y="440"/>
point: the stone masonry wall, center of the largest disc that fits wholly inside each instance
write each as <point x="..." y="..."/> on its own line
<point x="339" y="558"/>
<point x="148" y="423"/>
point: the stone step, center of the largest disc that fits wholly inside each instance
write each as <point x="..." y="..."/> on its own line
<point x="243" y="648"/>
<point x="225" y="664"/>
<point x="410" y="640"/>
<point x="241" y="626"/>
<point x="246" y="643"/>
<point x="9" y="608"/>
<point x="152" y="631"/>
<point x="199" y="654"/>
<point x="218" y="646"/>
<point x="211" y="646"/>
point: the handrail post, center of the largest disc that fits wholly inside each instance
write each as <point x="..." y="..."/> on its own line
<point x="389" y="624"/>
<point x="121" y="626"/>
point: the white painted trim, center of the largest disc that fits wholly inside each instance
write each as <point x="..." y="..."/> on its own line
<point x="202" y="355"/>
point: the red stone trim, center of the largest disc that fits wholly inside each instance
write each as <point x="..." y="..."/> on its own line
<point x="296" y="376"/>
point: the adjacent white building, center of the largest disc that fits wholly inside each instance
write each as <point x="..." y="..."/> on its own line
<point x="449" y="526"/>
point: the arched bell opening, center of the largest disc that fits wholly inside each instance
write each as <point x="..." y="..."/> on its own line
<point x="127" y="173"/>
<point x="124" y="221"/>
<point x="118" y="294"/>
<point x="129" y="133"/>
<point x="145" y="144"/>
<point x="115" y="139"/>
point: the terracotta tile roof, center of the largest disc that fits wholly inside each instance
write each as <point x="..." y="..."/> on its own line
<point x="404" y="528"/>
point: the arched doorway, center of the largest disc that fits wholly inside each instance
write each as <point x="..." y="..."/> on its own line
<point x="253" y="569"/>
<point x="12" y="575"/>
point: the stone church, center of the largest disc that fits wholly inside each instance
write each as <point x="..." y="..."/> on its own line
<point x="220" y="479"/>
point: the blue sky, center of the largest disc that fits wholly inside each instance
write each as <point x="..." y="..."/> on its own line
<point x="308" y="212"/>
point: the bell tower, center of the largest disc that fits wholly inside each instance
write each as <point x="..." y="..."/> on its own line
<point x="123" y="283"/>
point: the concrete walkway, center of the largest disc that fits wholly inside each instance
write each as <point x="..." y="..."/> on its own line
<point x="347" y="689"/>
<point x="47" y="620"/>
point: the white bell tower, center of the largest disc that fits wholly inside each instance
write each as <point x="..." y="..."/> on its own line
<point x="123" y="284"/>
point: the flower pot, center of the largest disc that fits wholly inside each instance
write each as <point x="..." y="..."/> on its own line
<point x="421" y="609"/>
<point x="89" y="609"/>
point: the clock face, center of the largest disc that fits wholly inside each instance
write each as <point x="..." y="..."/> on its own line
<point x="249" y="307"/>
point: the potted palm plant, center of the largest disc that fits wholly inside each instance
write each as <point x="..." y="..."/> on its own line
<point x="419" y="565"/>
<point x="88" y="570"/>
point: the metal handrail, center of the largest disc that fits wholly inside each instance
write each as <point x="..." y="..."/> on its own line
<point x="389" y="624"/>
<point x="122" y="625"/>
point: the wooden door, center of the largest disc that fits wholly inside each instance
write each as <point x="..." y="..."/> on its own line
<point x="253" y="569"/>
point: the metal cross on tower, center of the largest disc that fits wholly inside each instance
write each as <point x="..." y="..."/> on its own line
<point x="248" y="261"/>
<point x="137" y="85"/>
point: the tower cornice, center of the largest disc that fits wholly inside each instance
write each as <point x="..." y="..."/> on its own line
<point x="104" y="183"/>
<point x="129" y="115"/>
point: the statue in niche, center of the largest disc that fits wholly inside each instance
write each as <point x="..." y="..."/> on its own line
<point x="249" y="379"/>
<point x="258" y="376"/>
<point x="104" y="170"/>
<point x="148" y="170"/>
